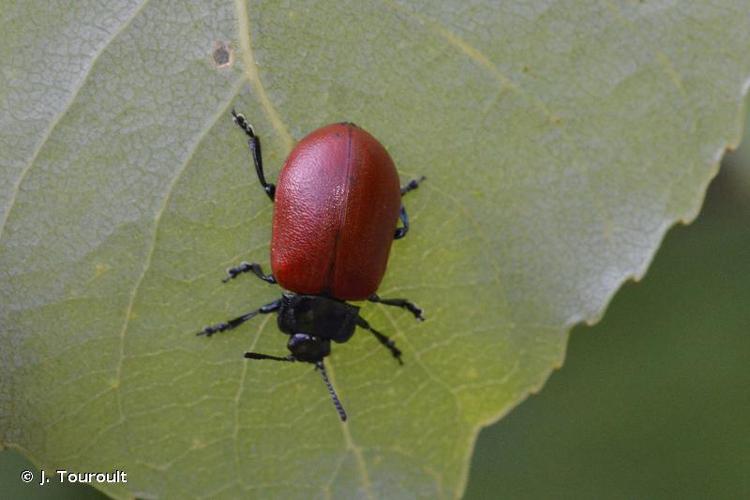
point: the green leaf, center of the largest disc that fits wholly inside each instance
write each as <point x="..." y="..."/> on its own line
<point x="560" y="141"/>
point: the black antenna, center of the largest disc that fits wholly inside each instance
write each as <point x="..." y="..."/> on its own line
<point x="257" y="355"/>
<point x="331" y="391"/>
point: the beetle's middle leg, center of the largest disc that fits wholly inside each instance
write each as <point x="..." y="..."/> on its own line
<point x="246" y="267"/>
<point x="254" y="144"/>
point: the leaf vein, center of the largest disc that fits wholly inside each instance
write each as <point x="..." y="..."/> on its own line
<point x="477" y="56"/>
<point x="251" y="72"/>
<point x="56" y="120"/>
<point x="152" y="244"/>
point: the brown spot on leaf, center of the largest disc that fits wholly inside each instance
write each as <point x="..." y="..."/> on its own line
<point x="223" y="55"/>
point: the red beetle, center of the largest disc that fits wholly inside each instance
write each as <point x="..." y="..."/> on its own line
<point x="338" y="203"/>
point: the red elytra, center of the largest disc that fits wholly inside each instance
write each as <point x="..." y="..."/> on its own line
<point x="337" y="206"/>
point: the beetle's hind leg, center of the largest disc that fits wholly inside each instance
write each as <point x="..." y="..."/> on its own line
<point x="254" y="143"/>
<point x="403" y="303"/>
<point x="246" y="267"/>
<point x="383" y="339"/>
<point x="233" y="323"/>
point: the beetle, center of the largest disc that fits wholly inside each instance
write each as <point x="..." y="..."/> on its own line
<point x="336" y="213"/>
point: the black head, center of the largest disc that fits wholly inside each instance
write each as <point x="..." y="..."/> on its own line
<point x="305" y="347"/>
<point x="317" y="317"/>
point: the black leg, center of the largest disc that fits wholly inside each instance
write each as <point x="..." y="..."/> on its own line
<point x="254" y="144"/>
<point x="245" y="267"/>
<point x="412" y="185"/>
<point x="383" y="339"/>
<point x="401" y="231"/>
<point x="403" y="303"/>
<point x="233" y="323"/>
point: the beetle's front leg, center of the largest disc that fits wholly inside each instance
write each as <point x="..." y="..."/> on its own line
<point x="383" y="339"/>
<point x="233" y="323"/>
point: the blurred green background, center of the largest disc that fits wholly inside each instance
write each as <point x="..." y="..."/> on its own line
<point x="653" y="402"/>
